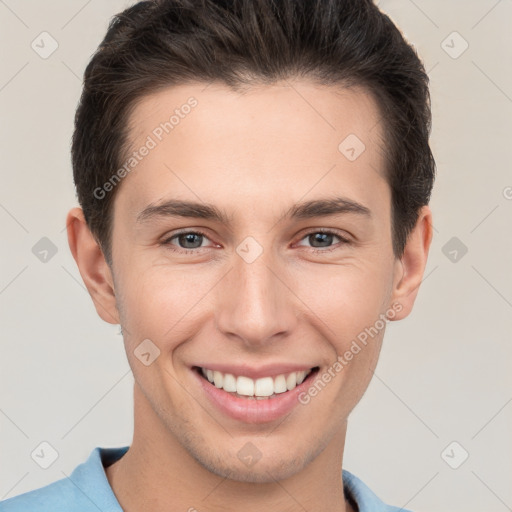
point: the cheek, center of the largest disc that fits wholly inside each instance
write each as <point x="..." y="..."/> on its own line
<point x="162" y="304"/>
<point x="346" y="298"/>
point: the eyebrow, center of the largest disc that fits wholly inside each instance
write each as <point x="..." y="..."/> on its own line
<point x="304" y="210"/>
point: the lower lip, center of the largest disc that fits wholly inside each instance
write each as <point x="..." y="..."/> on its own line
<point x="251" y="410"/>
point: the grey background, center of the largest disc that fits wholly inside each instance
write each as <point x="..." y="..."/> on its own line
<point x="444" y="373"/>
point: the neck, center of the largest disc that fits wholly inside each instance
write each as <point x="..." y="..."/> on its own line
<point x="158" y="474"/>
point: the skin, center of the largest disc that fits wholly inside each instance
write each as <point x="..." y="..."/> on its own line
<point x="253" y="155"/>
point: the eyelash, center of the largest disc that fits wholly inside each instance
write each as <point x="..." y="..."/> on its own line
<point x="343" y="241"/>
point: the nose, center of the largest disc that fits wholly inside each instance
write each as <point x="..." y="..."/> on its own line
<point x="254" y="303"/>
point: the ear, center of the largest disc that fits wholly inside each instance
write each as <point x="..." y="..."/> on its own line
<point x="92" y="265"/>
<point x="410" y="267"/>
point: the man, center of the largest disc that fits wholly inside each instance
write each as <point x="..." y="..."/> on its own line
<point x="254" y="179"/>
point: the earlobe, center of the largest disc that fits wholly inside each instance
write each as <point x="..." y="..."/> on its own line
<point x="411" y="267"/>
<point x="92" y="265"/>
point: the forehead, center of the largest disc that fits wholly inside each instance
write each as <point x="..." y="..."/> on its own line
<point x="260" y="110"/>
<point x="273" y="141"/>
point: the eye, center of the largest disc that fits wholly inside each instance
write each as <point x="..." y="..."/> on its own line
<point x="322" y="240"/>
<point x="187" y="241"/>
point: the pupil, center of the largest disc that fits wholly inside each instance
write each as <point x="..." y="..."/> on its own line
<point x="189" y="238"/>
<point x="324" y="238"/>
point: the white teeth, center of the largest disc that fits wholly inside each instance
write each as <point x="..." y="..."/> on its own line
<point x="229" y="383"/>
<point x="300" y="377"/>
<point x="291" y="381"/>
<point x="280" y="384"/>
<point x="260" y="388"/>
<point x="245" y="386"/>
<point x="218" y="379"/>
<point x="264" y="386"/>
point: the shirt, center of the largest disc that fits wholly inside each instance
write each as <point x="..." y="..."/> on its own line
<point x="87" y="490"/>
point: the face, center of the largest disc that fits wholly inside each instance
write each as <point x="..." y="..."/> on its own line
<point x="253" y="242"/>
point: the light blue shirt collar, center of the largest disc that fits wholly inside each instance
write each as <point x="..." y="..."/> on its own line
<point x="87" y="489"/>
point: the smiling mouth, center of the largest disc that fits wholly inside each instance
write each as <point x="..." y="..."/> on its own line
<point x="256" y="389"/>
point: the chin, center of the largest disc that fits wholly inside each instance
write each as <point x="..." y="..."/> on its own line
<point x="280" y="464"/>
<point x="262" y="472"/>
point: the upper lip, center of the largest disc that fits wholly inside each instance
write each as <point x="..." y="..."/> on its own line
<point x="267" y="370"/>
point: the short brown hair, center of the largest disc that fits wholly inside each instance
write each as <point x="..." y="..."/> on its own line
<point x="160" y="43"/>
